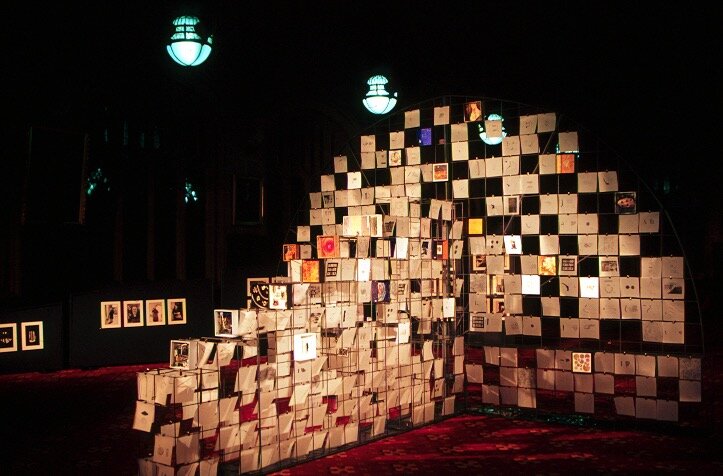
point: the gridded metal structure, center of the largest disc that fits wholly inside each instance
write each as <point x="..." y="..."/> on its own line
<point x="448" y="261"/>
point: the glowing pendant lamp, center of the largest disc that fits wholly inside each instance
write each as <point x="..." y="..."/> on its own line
<point x="187" y="47"/>
<point x="378" y="100"/>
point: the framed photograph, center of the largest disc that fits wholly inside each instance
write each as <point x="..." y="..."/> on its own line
<point x="225" y="322"/>
<point x="440" y="172"/>
<point x="180" y="350"/>
<point x="110" y="314"/>
<point x="479" y="262"/>
<point x="132" y="313"/>
<point x="625" y="203"/>
<point x="512" y="205"/>
<point x="176" y="311"/>
<point x="32" y="335"/>
<point x="156" y="312"/>
<point x="380" y="291"/>
<point x="473" y="111"/>
<point x="8" y="337"/>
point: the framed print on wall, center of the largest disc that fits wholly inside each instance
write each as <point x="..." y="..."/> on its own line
<point x="110" y="314"/>
<point x="156" y="312"/>
<point x="133" y="313"/>
<point x="176" y="311"/>
<point x="8" y="337"/>
<point x="32" y="335"/>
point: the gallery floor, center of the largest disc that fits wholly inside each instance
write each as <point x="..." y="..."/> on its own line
<point x="78" y="422"/>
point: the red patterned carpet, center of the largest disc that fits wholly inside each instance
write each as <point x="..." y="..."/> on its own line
<point x="78" y="422"/>
<point x="479" y="444"/>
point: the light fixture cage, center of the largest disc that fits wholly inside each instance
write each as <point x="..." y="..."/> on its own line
<point x="187" y="47"/>
<point x="378" y="100"/>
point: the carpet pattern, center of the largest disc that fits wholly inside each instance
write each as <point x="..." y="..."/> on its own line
<point x="483" y="444"/>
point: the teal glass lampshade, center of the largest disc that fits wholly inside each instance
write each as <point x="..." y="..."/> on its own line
<point x="186" y="46"/>
<point x="378" y="100"/>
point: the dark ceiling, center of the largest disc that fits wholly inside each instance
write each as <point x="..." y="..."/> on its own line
<point x="641" y="77"/>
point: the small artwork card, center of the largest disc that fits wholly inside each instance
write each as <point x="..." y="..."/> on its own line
<point x="304" y="347"/>
<point x="513" y="244"/>
<point x="424" y="136"/>
<point x="310" y="271"/>
<point x="179" y="354"/>
<point x="441" y="115"/>
<point x="582" y="362"/>
<point x="327" y="246"/>
<point x="476" y="322"/>
<point x="411" y="119"/>
<point x="291" y="252"/>
<point x="8" y="337"/>
<point x="176" y="311"/>
<point x="32" y="335"/>
<point x="547" y="265"/>
<point x="497" y="305"/>
<point x="259" y="293"/>
<point x="609" y="266"/>
<point x="568" y="265"/>
<point x="440" y="249"/>
<point x="155" y="312"/>
<point x="625" y="203"/>
<point x="278" y="296"/>
<point x="590" y="287"/>
<point x="440" y="172"/>
<point x="479" y="262"/>
<point x="473" y="111"/>
<point x="512" y="205"/>
<point x="565" y="163"/>
<point x="225" y="321"/>
<point x="110" y="314"/>
<point x="380" y="291"/>
<point x="353" y="180"/>
<point x="395" y="159"/>
<point x="475" y="226"/>
<point x="133" y="313"/>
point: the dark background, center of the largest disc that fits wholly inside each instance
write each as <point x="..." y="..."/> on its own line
<point x="281" y="94"/>
<point x="642" y="76"/>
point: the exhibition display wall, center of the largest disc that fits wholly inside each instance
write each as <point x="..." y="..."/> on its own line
<point x="463" y="254"/>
